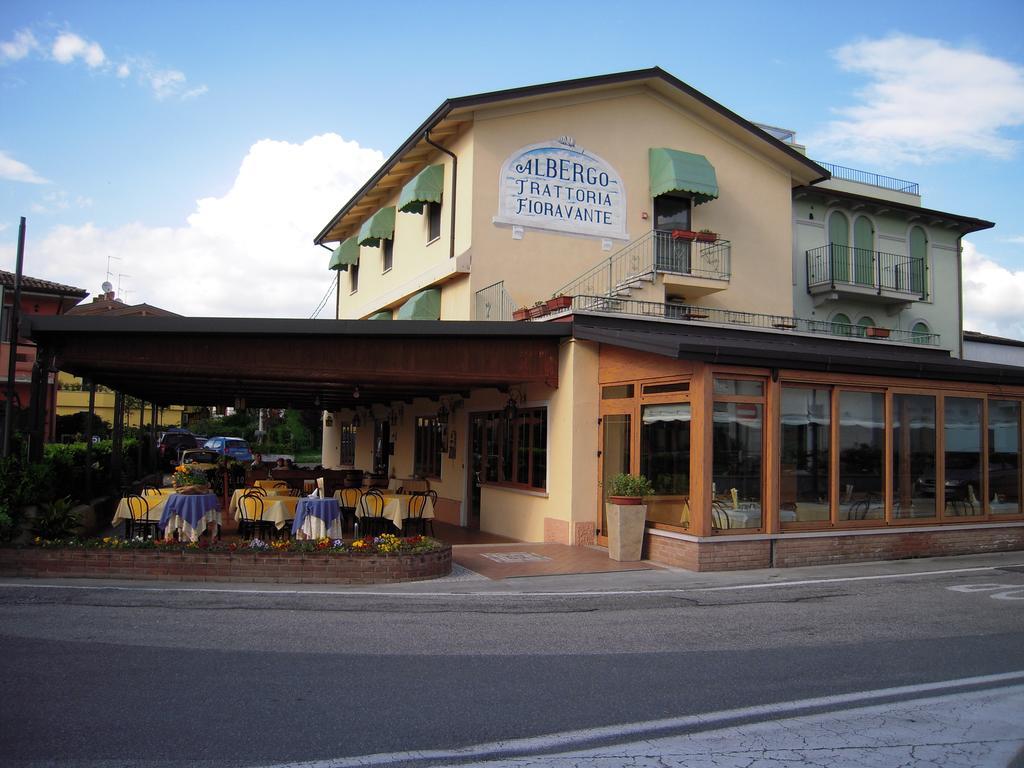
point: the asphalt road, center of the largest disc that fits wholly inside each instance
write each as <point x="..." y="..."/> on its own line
<point x="112" y="677"/>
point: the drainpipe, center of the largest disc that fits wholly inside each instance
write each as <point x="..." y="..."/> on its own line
<point x="337" y="277"/>
<point x="455" y="176"/>
<point x="959" y="294"/>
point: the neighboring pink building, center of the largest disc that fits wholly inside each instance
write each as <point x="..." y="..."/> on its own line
<point x="39" y="297"/>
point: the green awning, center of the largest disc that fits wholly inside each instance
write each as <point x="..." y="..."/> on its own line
<point x="345" y="255"/>
<point x="425" y="305"/>
<point x="380" y="226"/>
<point x="384" y="314"/>
<point x="675" y="171"/>
<point x="425" y="188"/>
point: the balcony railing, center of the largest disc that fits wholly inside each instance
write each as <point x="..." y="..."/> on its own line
<point x="652" y="253"/>
<point x="875" y="180"/>
<point x="732" y="318"/>
<point x="840" y="265"/>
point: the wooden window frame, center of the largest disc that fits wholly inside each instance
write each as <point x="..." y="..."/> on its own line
<point x="511" y="443"/>
<point x="428" y="446"/>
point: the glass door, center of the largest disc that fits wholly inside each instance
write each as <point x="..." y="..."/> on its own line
<point x="671" y="213"/>
<point x="615" y="454"/>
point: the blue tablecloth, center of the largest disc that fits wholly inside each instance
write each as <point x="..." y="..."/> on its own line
<point x="190" y="507"/>
<point x="327" y="510"/>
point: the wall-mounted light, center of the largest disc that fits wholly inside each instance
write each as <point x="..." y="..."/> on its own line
<point x="356" y="421"/>
<point x="328" y="419"/>
<point x="442" y="413"/>
<point x="515" y="397"/>
<point x="355" y="393"/>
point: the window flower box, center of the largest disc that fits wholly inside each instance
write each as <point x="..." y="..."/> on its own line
<point x="877" y="333"/>
<point x="557" y="303"/>
<point x="684" y="234"/>
<point x="537" y="310"/>
<point x="706" y="236"/>
<point x="520" y="314"/>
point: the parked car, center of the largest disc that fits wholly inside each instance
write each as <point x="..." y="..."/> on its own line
<point x="172" y="443"/>
<point x="201" y="458"/>
<point x="232" y="447"/>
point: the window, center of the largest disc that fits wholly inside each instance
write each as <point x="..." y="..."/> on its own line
<point x="863" y="324"/>
<point x="919" y="261"/>
<point x="742" y="387"/>
<point x="806" y="454"/>
<point x="665" y="460"/>
<point x="962" y="433"/>
<point x="1004" y="457"/>
<point x="863" y="251"/>
<point x="388" y="247"/>
<point x="353" y="276"/>
<point x="617" y="392"/>
<point x="841" y="325"/>
<point x="429" y="445"/>
<point x="861" y="458"/>
<point x="839" y="247"/>
<point x="913" y="456"/>
<point x="671" y="212"/>
<point x="348" y="445"/>
<point x="922" y="333"/>
<point x="514" y="450"/>
<point x="433" y="221"/>
<point x="660" y="389"/>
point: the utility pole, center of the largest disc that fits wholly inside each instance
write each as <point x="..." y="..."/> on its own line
<point x="12" y="350"/>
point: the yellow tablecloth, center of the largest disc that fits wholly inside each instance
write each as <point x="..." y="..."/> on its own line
<point x="396" y="508"/>
<point x="276" y="509"/>
<point x="156" y="506"/>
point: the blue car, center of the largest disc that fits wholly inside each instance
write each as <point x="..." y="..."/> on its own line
<point x="232" y="447"/>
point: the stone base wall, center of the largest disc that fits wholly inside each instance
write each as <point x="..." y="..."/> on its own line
<point x="727" y="554"/>
<point x="278" y="567"/>
<point x="556" y="531"/>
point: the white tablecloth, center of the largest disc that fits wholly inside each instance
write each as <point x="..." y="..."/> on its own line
<point x="396" y="508"/>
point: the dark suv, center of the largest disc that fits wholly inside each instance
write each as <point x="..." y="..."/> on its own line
<point x="172" y="443"/>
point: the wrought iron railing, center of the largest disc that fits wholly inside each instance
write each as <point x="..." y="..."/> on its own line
<point x="733" y="318"/>
<point x="875" y="180"/>
<point x="650" y="254"/>
<point x="834" y="265"/>
<point x="493" y="303"/>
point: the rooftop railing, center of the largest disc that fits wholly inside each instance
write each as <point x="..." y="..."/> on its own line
<point x="733" y="318"/>
<point x="874" y="179"/>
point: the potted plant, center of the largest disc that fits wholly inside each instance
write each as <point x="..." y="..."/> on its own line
<point x="191" y="480"/>
<point x="559" y="302"/>
<point x="537" y="310"/>
<point x="626" y="516"/>
<point x="706" y="236"/>
<point x="627" y="490"/>
<point x="520" y="314"/>
<point x="877" y="333"/>
<point x="684" y="234"/>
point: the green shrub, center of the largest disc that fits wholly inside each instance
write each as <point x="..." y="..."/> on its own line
<point x="630" y="485"/>
<point x="57" y="519"/>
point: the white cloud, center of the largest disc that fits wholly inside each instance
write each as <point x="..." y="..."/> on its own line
<point x="992" y="295"/>
<point x="925" y="101"/>
<point x="15" y="170"/>
<point x="248" y="253"/>
<point x="123" y="70"/>
<point x="68" y="46"/>
<point x="18" y="47"/>
<point x="1016" y="239"/>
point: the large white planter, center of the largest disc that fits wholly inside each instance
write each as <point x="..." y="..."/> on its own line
<point x="625" y="531"/>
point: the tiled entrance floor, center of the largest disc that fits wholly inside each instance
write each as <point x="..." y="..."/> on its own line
<point x="509" y="561"/>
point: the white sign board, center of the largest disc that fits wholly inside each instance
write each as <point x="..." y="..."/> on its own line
<point x="559" y="187"/>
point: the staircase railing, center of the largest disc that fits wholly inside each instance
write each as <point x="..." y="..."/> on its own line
<point x="493" y="303"/>
<point x="649" y="254"/>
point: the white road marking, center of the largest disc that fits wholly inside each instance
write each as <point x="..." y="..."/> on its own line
<point x="565" y="740"/>
<point x="510" y="593"/>
<point x="1007" y="591"/>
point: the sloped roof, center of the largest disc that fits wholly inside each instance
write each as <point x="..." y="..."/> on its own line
<point x="38" y="285"/>
<point x="115" y="308"/>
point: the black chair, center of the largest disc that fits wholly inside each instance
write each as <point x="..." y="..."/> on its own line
<point x="139" y="523"/>
<point x="415" y="522"/>
<point x="371" y="513"/>
<point x="720" y="516"/>
<point x="250" y="517"/>
<point x="349" y="501"/>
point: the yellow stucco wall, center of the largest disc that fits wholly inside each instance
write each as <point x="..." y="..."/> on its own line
<point x="72" y="401"/>
<point x="753" y="210"/>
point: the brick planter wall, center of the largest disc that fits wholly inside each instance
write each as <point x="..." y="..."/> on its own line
<point x="196" y="565"/>
<point x="728" y="554"/>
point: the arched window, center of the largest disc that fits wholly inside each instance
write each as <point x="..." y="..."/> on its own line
<point x="841" y="324"/>
<point x="839" y="250"/>
<point x="921" y="333"/>
<point x="863" y="324"/>
<point x="863" y="251"/>
<point x="918" y="267"/>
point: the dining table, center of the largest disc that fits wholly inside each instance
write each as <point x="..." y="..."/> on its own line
<point x="396" y="508"/>
<point x="271" y="485"/>
<point x="317" y="518"/>
<point x="155" y="498"/>
<point x="276" y="509"/>
<point x="189" y="514"/>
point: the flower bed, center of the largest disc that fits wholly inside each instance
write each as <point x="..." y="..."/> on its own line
<point x="381" y="560"/>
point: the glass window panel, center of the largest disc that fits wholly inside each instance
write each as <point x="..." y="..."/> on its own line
<point x="540" y="449"/>
<point x="963" y="457"/>
<point x="913" y="456"/>
<point x="739" y="387"/>
<point x="617" y="391"/>
<point x="665" y="461"/>
<point x="523" y="448"/>
<point x="675" y="386"/>
<point x="861" y="462"/>
<point x="736" y="470"/>
<point x="615" y="452"/>
<point x="806" y="432"/>
<point x="1004" y="457"/>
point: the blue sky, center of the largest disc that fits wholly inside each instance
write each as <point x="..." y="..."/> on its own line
<point x="120" y="117"/>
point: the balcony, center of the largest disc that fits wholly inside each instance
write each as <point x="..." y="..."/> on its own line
<point x="839" y="271"/>
<point x="871" y="179"/>
<point x="691" y="264"/>
<point x="691" y="313"/>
